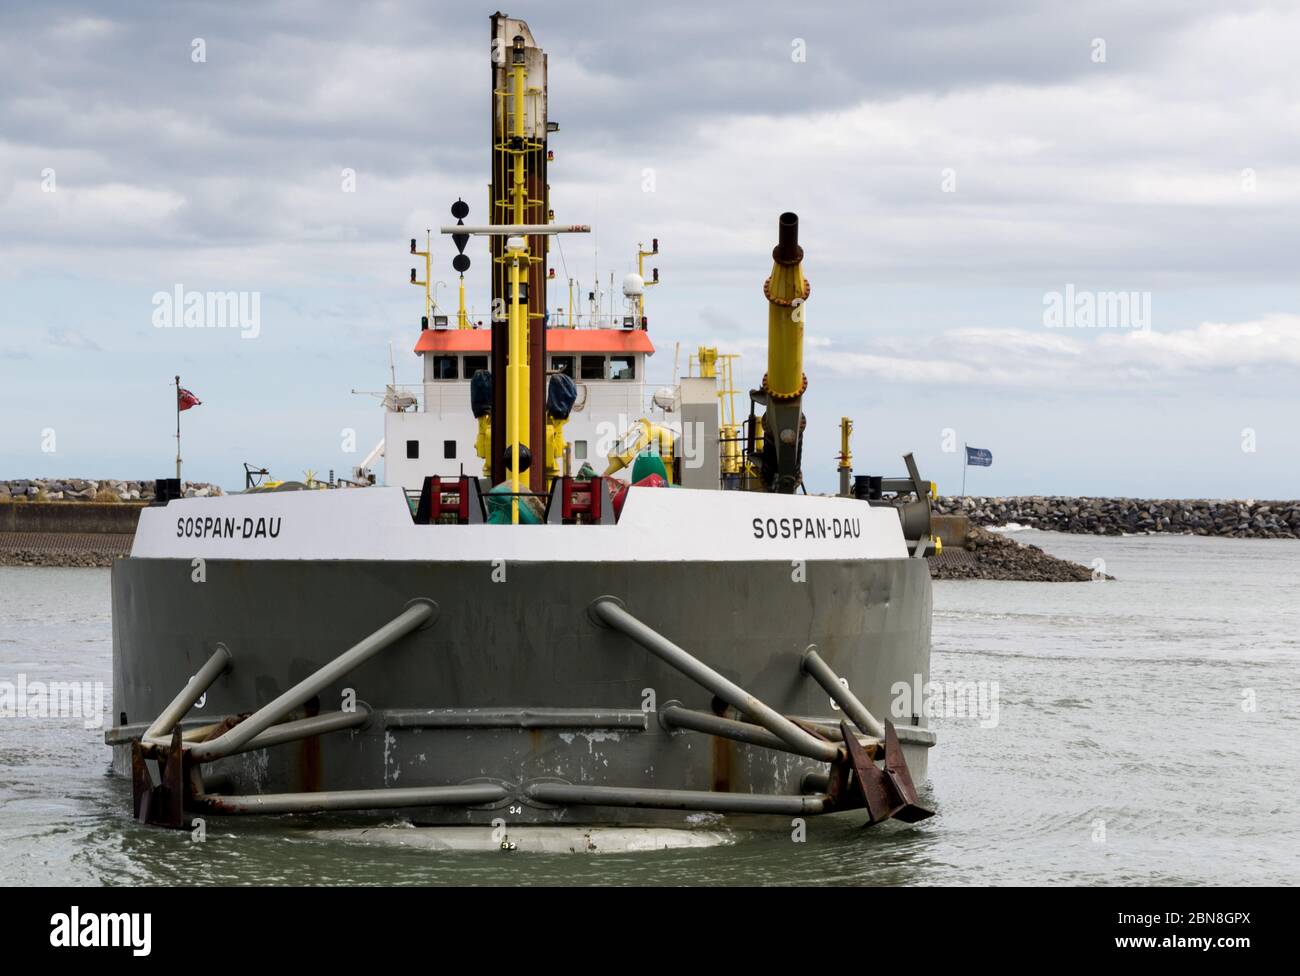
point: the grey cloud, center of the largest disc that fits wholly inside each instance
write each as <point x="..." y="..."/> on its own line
<point x="231" y="168"/>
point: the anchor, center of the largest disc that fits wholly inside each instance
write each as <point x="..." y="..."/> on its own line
<point x="158" y="777"/>
<point x="887" y="792"/>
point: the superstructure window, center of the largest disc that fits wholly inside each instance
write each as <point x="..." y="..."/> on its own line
<point x="593" y="367"/>
<point x="449" y="449"/>
<point x="622" y="367"/>
<point x="563" y="364"/>
<point x="446" y="367"/>
<point x="474" y="364"/>
<point x="413" y="449"/>
<point x="580" y="450"/>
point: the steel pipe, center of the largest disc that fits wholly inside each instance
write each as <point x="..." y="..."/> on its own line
<point x="619" y="796"/>
<point x="194" y="689"/>
<point x="815" y="783"/>
<point x="839" y="692"/>
<point x="513" y="718"/>
<point x="747" y="732"/>
<point x="608" y="611"/>
<point x="418" y="613"/>
<point x="426" y="796"/>
<point x="305" y="728"/>
<point x="831" y="732"/>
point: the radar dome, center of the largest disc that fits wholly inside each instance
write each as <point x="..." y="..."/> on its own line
<point x="665" y="398"/>
<point x="633" y="285"/>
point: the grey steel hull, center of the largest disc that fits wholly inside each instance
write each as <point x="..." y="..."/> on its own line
<point x="514" y="683"/>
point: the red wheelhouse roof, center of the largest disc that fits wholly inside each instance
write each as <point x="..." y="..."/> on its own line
<point x="557" y="341"/>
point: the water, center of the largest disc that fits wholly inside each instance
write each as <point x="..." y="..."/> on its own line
<point x="1122" y="753"/>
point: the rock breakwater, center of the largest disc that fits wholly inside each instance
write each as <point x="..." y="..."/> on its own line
<point x="92" y="490"/>
<point x="1132" y="516"/>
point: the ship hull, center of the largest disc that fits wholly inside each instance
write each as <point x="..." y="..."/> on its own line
<point x="514" y="683"/>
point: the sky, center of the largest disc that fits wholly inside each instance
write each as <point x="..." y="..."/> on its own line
<point x="978" y="185"/>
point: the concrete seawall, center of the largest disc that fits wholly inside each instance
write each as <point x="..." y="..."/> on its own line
<point x="66" y="533"/>
<point x="74" y="521"/>
<point x="56" y="517"/>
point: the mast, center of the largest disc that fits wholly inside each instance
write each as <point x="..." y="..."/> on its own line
<point x="428" y="272"/>
<point x="178" y="428"/>
<point x="641" y="255"/>
<point x="519" y="194"/>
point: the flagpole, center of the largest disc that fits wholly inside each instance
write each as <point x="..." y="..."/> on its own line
<point x="964" y="457"/>
<point x="178" y="428"/>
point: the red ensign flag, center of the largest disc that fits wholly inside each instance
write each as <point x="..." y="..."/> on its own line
<point x="185" y="399"/>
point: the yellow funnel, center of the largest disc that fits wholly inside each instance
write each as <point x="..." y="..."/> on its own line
<point x="786" y="290"/>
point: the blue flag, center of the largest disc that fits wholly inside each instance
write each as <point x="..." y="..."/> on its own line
<point x="980" y="457"/>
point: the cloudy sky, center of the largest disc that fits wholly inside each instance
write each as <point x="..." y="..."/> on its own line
<point x="960" y="170"/>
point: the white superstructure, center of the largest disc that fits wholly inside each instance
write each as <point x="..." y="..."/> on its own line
<point x="436" y="437"/>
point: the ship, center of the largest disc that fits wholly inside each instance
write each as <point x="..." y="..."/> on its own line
<point x="520" y="626"/>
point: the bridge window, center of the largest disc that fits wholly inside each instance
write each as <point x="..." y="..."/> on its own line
<point x="593" y="367"/>
<point x="622" y="367"/>
<point x="413" y="449"/>
<point x="475" y="364"/>
<point x="563" y="364"/>
<point x="449" y="449"/>
<point x="446" y="367"/>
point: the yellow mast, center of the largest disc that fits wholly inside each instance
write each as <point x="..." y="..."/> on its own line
<point x="731" y="453"/>
<point x="516" y="371"/>
<point x="428" y="300"/>
<point x="641" y="255"/>
<point x="846" y="457"/>
<point x="728" y="392"/>
<point x="517" y="408"/>
<point x="711" y="365"/>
